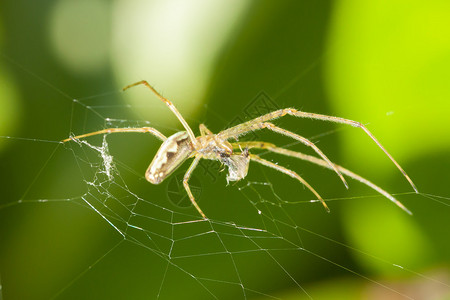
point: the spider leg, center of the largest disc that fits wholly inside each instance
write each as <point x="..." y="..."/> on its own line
<point x="303" y="140"/>
<point x="186" y="178"/>
<point x="170" y="105"/>
<point x="253" y="125"/>
<point x="151" y="130"/>
<point x="291" y="173"/>
<point x="204" y="130"/>
<point x="252" y="144"/>
<point x="320" y="162"/>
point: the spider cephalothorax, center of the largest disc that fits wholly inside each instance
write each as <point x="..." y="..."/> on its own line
<point x="183" y="145"/>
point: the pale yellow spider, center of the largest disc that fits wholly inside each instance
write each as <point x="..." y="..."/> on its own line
<point x="184" y="144"/>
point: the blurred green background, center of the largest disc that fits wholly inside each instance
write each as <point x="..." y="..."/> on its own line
<point x="384" y="63"/>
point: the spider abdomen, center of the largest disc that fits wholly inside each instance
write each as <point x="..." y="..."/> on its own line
<point x="172" y="153"/>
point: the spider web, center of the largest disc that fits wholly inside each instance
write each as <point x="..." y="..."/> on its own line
<point x="168" y="249"/>
<point x="78" y="220"/>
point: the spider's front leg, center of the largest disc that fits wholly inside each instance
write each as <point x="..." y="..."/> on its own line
<point x="320" y="162"/>
<point x="291" y="173"/>
<point x="303" y="140"/>
<point x="258" y="123"/>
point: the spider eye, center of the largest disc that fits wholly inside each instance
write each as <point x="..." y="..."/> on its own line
<point x="224" y="155"/>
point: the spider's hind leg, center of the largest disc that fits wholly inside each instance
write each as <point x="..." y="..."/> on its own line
<point x="186" y="178"/>
<point x="150" y="130"/>
<point x="169" y="104"/>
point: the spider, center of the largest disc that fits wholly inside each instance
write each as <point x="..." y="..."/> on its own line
<point x="177" y="148"/>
